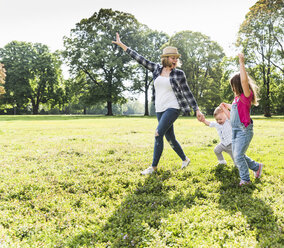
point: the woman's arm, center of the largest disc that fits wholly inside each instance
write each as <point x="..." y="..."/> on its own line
<point x="140" y="59"/>
<point x="244" y="76"/>
<point x="189" y="96"/>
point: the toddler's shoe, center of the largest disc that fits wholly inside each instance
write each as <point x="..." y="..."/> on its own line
<point x="222" y="162"/>
<point x="257" y="173"/>
<point x="185" y="163"/>
<point x="149" y="170"/>
<point x="243" y="182"/>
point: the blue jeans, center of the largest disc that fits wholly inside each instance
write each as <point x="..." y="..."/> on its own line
<point x="241" y="138"/>
<point x="165" y="128"/>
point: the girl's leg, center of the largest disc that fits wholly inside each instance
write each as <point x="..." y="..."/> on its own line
<point x="166" y="120"/>
<point x="251" y="163"/>
<point x="241" y="141"/>
<point x="170" y="136"/>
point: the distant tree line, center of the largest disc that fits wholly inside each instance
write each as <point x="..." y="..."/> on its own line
<point x="101" y="73"/>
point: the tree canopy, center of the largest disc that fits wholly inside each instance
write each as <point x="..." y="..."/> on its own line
<point x="261" y="36"/>
<point x="33" y="74"/>
<point x="89" y="50"/>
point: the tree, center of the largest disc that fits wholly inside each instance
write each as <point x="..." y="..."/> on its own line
<point x="33" y="74"/>
<point x="89" y="50"/>
<point x="261" y="36"/>
<point x="151" y="44"/>
<point x="201" y="62"/>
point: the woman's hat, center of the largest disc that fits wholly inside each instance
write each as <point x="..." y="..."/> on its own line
<point x="170" y="51"/>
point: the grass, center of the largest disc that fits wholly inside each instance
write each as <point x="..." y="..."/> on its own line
<point x="74" y="181"/>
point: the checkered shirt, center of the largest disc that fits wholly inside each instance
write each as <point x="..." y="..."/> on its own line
<point x="177" y="79"/>
<point x="224" y="131"/>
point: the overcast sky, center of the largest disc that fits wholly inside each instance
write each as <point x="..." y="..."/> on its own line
<point x="47" y="21"/>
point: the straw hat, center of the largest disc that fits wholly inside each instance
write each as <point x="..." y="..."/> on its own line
<point x="170" y="51"/>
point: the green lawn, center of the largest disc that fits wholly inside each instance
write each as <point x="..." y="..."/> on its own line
<point x="74" y="181"/>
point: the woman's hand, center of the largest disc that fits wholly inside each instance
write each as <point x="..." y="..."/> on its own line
<point x="119" y="43"/>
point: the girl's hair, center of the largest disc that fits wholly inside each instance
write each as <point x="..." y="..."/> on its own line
<point x="236" y="85"/>
<point x="166" y="62"/>
<point x="217" y="111"/>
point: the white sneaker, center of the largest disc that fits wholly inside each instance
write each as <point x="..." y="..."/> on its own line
<point x="222" y="162"/>
<point x="185" y="163"/>
<point x="149" y="170"/>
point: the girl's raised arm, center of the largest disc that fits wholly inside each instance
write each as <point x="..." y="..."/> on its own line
<point x="244" y="76"/>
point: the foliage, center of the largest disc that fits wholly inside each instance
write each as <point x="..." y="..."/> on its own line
<point x="261" y="36"/>
<point x="151" y="44"/>
<point x="33" y="74"/>
<point x="89" y="50"/>
<point x="82" y="186"/>
<point x="201" y="62"/>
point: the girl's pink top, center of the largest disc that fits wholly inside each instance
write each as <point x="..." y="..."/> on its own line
<point x="244" y="104"/>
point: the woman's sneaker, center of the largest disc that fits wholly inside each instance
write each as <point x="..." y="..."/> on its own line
<point x="149" y="170"/>
<point x="257" y="173"/>
<point x="243" y="182"/>
<point x="185" y="163"/>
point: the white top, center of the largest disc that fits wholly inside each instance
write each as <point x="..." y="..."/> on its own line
<point x="165" y="97"/>
<point x="224" y="131"/>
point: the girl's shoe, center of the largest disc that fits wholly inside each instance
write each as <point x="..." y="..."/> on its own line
<point x="149" y="170"/>
<point x="185" y="163"/>
<point x="243" y="182"/>
<point x="257" y="173"/>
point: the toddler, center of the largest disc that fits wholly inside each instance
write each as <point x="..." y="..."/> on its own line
<point x="224" y="130"/>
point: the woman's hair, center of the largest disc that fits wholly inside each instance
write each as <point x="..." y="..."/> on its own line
<point x="236" y="85"/>
<point x="166" y="62"/>
<point x="217" y="111"/>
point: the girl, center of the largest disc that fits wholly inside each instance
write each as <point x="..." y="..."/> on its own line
<point x="242" y="125"/>
<point x="171" y="95"/>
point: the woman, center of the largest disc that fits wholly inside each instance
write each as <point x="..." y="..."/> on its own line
<point x="171" y="95"/>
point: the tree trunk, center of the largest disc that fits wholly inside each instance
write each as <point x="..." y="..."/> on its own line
<point x="266" y="82"/>
<point x="15" y="107"/>
<point x="35" y="109"/>
<point x="85" y="110"/>
<point x="146" y="113"/>
<point x="35" y="106"/>
<point x="109" y="108"/>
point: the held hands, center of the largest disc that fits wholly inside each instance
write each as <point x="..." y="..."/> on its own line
<point x="200" y="116"/>
<point x="224" y="105"/>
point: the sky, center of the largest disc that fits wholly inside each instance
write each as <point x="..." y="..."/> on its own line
<point x="48" y="21"/>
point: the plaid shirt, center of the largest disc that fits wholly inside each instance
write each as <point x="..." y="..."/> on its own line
<point x="177" y="79"/>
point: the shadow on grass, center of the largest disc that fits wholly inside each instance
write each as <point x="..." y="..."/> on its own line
<point x="140" y="215"/>
<point x="259" y="215"/>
